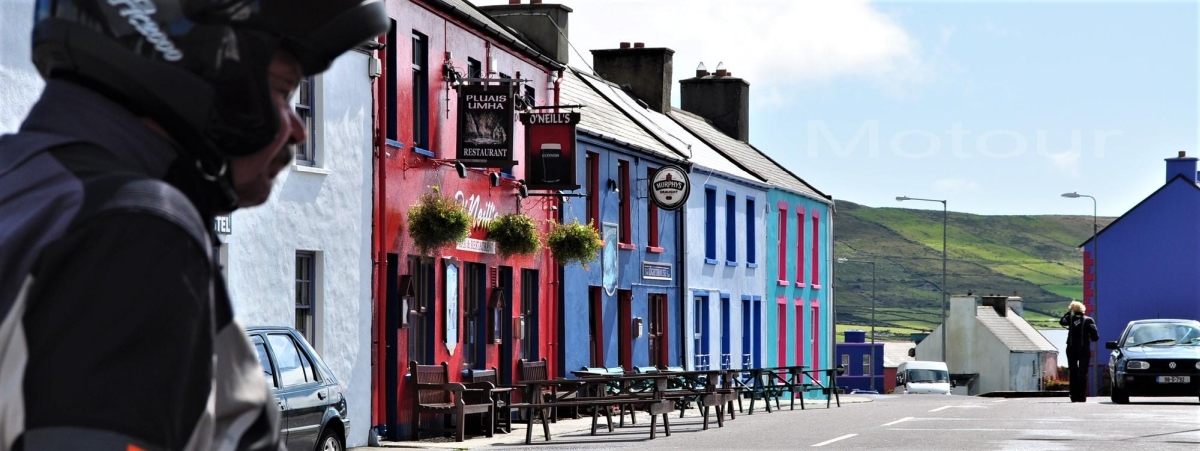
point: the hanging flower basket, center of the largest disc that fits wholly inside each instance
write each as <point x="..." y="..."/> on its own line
<point x="437" y="221"/>
<point x="574" y="243"/>
<point x="514" y="234"/>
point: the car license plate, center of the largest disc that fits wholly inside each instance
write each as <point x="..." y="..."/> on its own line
<point x="1174" y="379"/>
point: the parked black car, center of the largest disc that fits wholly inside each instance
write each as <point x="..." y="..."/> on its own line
<point x="1155" y="357"/>
<point x="311" y="401"/>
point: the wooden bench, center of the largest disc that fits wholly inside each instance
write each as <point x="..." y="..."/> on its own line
<point x="434" y="393"/>
<point x="651" y="401"/>
<point x="501" y="397"/>
<point x="814" y="383"/>
<point x="538" y="371"/>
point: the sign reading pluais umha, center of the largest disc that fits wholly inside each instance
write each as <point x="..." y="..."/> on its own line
<point x="485" y="126"/>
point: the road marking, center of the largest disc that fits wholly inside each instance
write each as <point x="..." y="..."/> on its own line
<point x="834" y="440"/>
<point x="939" y="409"/>
<point x="898" y="421"/>
<point x="1000" y="400"/>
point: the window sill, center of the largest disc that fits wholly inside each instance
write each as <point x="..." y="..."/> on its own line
<point x="310" y="169"/>
<point x="626" y="246"/>
<point x="751" y="265"/>
<point x="710" y="261"/>
<point x="800" y="285"/>
<point x="730" y="263"/>
<point x="420" y="151"/>
<point x="816" y="287"/>
<point x="394" y="143"/>
<point x="655" y="249"/>
<point x="783" y="283"/>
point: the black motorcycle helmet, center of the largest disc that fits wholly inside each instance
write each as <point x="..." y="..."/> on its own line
<point x="197" y="67"/>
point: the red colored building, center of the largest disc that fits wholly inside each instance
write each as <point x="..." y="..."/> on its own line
<point x="466" y="305"/>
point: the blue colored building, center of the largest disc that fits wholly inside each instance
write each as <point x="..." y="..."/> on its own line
<point x="862" y="361"/>
<point x="1145" y="265"/>
<point x="623" y="309"/>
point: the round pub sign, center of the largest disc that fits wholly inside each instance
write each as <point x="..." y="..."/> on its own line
<point x="669" y="187"/>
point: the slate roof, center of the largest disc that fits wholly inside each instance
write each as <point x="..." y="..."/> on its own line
<point x="1013" y="330"/>
<point x="748" y="155"/>
<point x="895" y="353"/>
<point x="467" y="11"/>
<point x="602" y="118"/>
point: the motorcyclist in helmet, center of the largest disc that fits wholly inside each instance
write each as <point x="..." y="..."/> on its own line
<point x="116" y="331"/>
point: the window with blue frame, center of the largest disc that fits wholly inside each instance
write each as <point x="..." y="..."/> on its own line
<point x="393" y="87"/>
<point x="726" y="339"/>
<point x="751" y="244"/>
<point x="710" y="224"/>
<point x="420" y="93"/>
<point x="730" y="228"/>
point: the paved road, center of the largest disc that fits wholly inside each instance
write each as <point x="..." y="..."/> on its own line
<point x="929" y="423"/>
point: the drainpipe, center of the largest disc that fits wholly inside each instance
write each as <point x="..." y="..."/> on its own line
<point x="829" y="259"/>
<point x="379" y="356"/>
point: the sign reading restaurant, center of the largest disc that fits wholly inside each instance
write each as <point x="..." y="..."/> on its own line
<point x="485" y="126"/>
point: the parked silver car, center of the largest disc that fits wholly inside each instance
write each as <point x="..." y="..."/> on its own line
<point x="311" y="401"/>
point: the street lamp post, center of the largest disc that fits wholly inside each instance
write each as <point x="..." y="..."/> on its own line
<point x="943" y="287"/>
<point x="873" y="359"/>
<point x="1095" y="385"/>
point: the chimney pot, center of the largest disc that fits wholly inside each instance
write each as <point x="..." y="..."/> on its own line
<point x="639" y="45"/>
<point x="1182" y="154"/>
<point x="535" y="2"/>
<point x="624" y="45"/>
<point x="514" y="2"/>
<point x="701" y="70"/>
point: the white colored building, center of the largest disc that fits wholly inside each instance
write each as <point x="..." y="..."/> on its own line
<point x="303" y="259"/>
<point x="992" y="341"/>
<point x="20" y="84"/>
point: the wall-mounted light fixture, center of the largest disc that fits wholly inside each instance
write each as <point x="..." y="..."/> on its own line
<point x="461" y="169"/>
<point x="494" y="178"/>
<point x="612" y="186"/>
<point x="522" y="189"/>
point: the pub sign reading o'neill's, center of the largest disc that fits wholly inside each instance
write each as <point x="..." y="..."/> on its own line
<point x="550" y="150"/>
<point x="485" y="126"/>
<point x="670" y="187"/>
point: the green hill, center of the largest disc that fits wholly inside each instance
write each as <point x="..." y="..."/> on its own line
<point x="1034" y="256"/>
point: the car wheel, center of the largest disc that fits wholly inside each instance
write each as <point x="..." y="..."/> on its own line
<point x="330" y="441"/>
<point x="1119" y="395"/>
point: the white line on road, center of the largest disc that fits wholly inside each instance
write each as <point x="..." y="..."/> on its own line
<point x="834" y="440"/>
<point x="1000" y="400"/>
<point x="898" y="421"/>
<point x="939" y="409"/>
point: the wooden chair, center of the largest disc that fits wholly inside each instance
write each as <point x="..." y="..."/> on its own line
<point x="434" y="393"/>
<point x="501" y="397"/>
<point x="538" y="371"/>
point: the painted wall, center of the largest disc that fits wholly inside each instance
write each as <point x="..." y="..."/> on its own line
<point x="792" y="288"/>
<point x="629" y="267"/>
<point x="326" y="209"/>
<point x="19" y="80"/>
<point x="404" y="175"/>
<point x="851" y="353"/>
<point x="1153" y="244"/>
<point x="720" y="276"/>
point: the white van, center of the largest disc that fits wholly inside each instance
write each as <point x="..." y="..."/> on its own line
<point x="923" y="377"/>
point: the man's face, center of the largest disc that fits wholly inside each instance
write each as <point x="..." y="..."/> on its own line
<point x="253" y="174"/>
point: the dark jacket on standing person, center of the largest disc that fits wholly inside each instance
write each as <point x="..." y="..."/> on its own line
<point x="1081" y="329"/>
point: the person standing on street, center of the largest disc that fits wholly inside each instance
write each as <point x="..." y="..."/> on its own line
<point x="1081" y="332"/>
<point x="116" y="330"/>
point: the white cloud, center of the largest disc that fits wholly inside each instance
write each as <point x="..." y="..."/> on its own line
<point x="955" y="185"/>
<point x="1068" y="162"/>
<point x="763" y="41"/>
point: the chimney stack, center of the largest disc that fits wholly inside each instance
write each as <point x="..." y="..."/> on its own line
<point x="721" y="98"/>
<point x="531" y="21"/>
<point x="647" y="72"/>
<point x="1182" y="165"/>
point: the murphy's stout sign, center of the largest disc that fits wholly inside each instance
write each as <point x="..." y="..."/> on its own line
<point x="485" y="126"/>
<point x="550" y="150"/>
<point x="670" y="187"/>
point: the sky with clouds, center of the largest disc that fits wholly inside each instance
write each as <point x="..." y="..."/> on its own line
<point x="998" y="107"/>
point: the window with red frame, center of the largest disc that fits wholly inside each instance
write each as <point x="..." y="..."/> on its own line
<point x="816" y="335"/>
<point x="816" y="250"/>
<point x="800" y="246"/>
<point x="652" y="219"/>
<point x="781" y="342"/>
<point x="799" y="308"/>
<point x="625" y="234"/>
<point x="592" y="168"/>
<point x="782" y="251"/>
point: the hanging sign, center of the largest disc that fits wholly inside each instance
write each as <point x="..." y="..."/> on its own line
<point x="670" y="187"/>
<point x="550" y="150"/>
<point x="451" y="273"/>
<point x="609" y="268"/>
<point x="485" y="126"/>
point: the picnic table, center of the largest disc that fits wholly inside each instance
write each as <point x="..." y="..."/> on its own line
<point x="593" y="391"/>
<point x="771" y="383"/>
